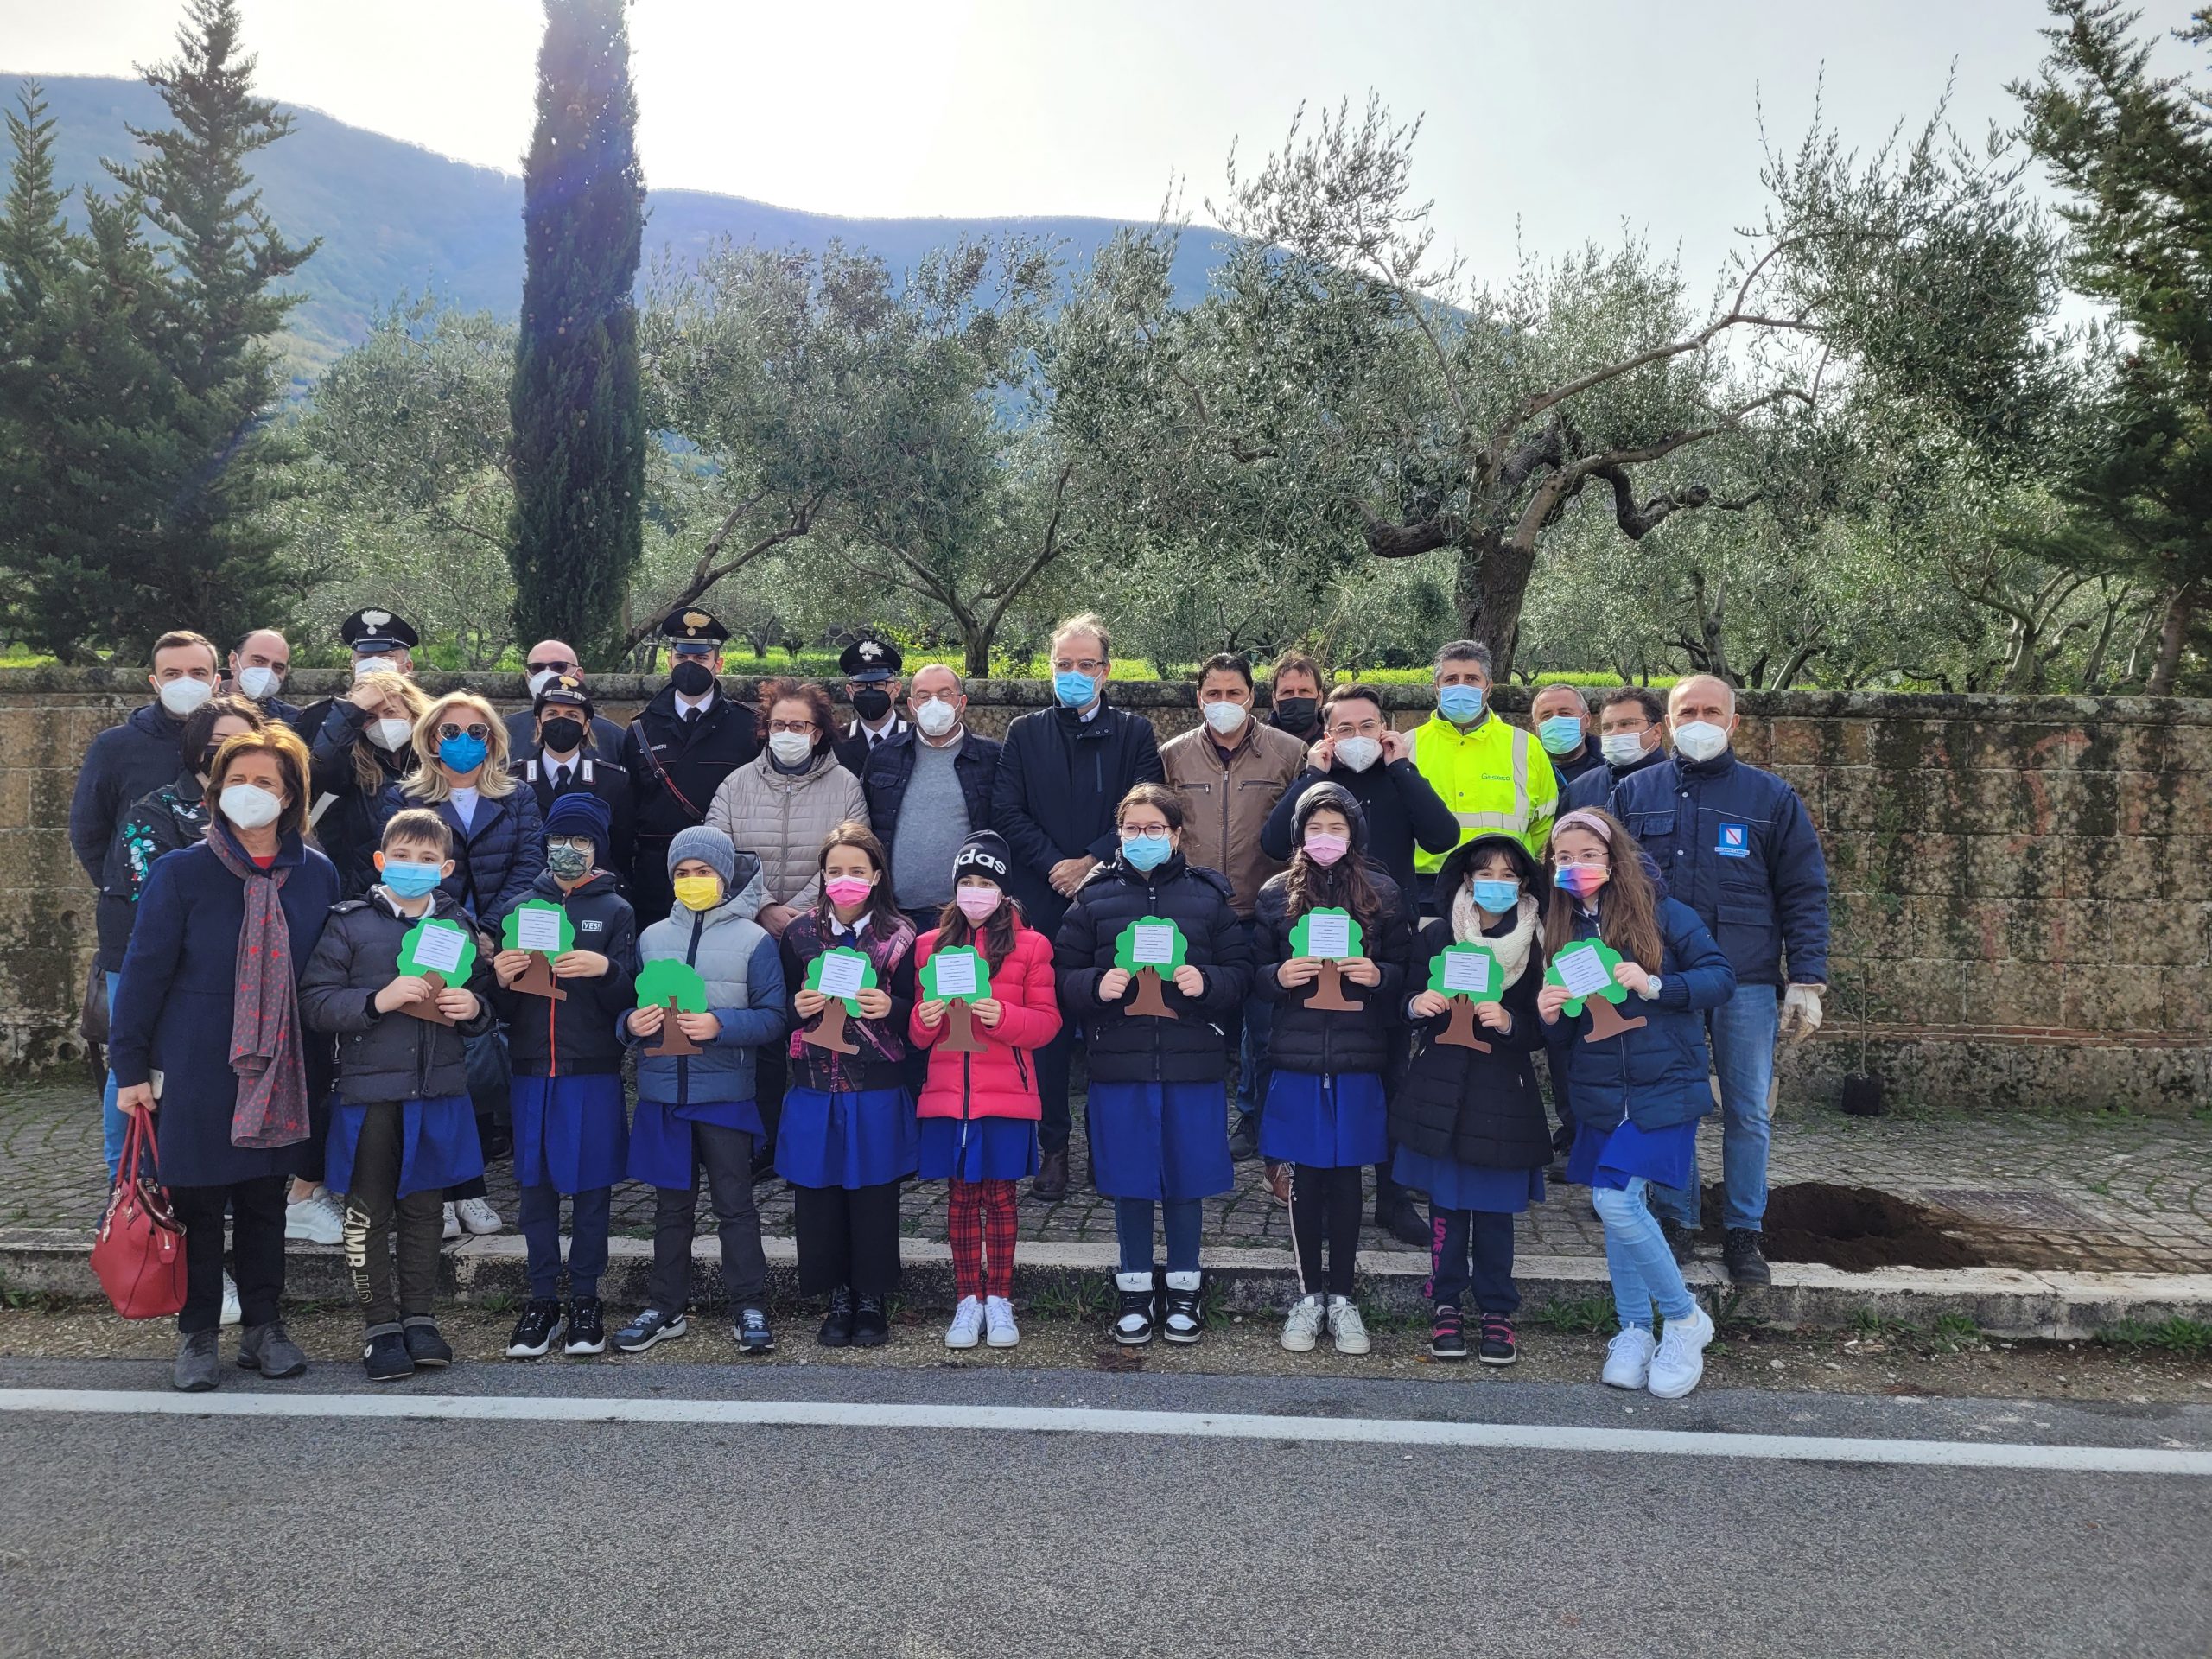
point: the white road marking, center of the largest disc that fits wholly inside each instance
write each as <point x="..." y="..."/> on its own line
<point x="1020" y="1420"/>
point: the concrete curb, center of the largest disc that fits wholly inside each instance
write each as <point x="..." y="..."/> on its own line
<point x="2002" y="1301"/>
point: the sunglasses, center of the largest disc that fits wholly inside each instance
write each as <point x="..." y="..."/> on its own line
<point x="478" y="730"/>
<point x="550" y="668"/>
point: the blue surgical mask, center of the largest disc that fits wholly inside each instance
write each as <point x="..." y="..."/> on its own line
<point x="462" y="753"/>
<point x="1145" y="852"/>
<point x="1460" y="704"/>
<point x="411" y="880"/>
<point x="1073" y="690"/>
<point x="1560" y="734"/>
<point x="1497" y="897"/>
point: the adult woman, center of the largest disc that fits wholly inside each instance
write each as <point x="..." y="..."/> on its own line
<point x="209" y="1000"/>
<point x="365" y="744"/>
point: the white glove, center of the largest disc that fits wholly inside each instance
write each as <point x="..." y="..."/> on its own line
<point x="1801" y="1011"/>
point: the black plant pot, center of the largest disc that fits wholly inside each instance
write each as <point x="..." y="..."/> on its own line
<point x="1862" y="1094"/>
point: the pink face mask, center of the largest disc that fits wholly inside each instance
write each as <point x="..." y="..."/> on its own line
<point x="848" y="890"/>
<point x="977" y="903"/>
<point x="1325" y="848"/>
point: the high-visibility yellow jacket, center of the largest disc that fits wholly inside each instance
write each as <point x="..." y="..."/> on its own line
<point x="1496" y="778"/>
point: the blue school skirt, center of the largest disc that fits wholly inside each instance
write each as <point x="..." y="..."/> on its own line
<point x="1452" y="1185"/>
<point x="982" y="1149"/>
<point x="438" y="1144"/>
<point x="1612" y="1157"/>
<point x="849" y="1139"/>
<point x="660" y="1137"/>
<point x="1159" y="1139"/>
<point x="1334" y="1122"/>
<point x="571" y="1134"/>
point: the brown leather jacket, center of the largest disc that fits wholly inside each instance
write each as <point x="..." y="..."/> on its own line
<point x="1224" y="808"/>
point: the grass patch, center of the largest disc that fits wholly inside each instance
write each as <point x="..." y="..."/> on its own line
<point x="1953" y="1334"/>
<point x="2188" y="1338"/>
<point x="1873" y="1324"/>
<point x="1578" y="1316"/>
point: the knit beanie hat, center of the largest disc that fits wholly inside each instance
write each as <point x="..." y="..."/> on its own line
<point x="578" y="814"/>
<point x="710" y="847"/>
<point x="984" y="853"/>
<point x="1337" y="798"/>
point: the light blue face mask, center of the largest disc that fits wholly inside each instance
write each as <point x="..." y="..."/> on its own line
<point x="1460" y="704"/>
<point x="411" y="881"/>
<point x="1494" y="896"/>
<point x="463" y="754"/>
<point x="1145" y="852"/>
<point x="1073" y="690"/>
<point x="1560" y="734"/>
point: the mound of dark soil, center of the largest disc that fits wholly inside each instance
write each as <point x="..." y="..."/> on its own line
<point x="1854" y="1228"/>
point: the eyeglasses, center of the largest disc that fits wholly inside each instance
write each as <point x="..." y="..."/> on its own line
<point x="574" y="844"/>
<point x="1074" y="665"/>
<point x="1356" y="729"/>
<point x="477" y="729"/>
<point x="551" y="668"/>
<point x="803" y="728"/>
<point x="1131" y="831"/>
<point x="1594" y="856"/>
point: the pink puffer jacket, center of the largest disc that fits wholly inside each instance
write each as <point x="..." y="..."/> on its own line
<point x="1002" y="1080"/>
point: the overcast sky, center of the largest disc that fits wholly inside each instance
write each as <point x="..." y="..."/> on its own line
<point x="1553" y="123"/>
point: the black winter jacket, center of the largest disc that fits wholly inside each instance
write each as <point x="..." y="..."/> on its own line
<point x="1482" y="1110"/>
<point x="387" y="1056"/>
<point x="158" y="822"/>
<point x="1059" y="780"/>
<point x="1595" y="787"/>
<point x="590" y="773"/>
<point x="1137" y="1048"/>
<point x="1319" y="1040"/>
<point x="495" y="860"/>
<point x="579" y="1035"/>
<point x="1401" y="809"/>
<point x="890" y="768"/>
<point x="349" y="820"/>
<point x="124" y="763"/>
<point x="675" y="766"/>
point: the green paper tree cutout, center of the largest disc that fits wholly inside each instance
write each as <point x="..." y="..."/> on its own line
<point x="1615" y="991"/>
<point x="510" y="930"/>
<point x="839" y="952"/>
<point x="1125" y="947"/>
<point x="1493" y="978"/>
<point x="982" y="975"/>
<point x="433" y="931"/>
<point x="660" y="982"/>
<point x="1301" y="934"/>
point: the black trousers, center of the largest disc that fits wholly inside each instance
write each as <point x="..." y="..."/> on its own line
<point x="847" y="1235"/>
<point x="1324" y="1205"/>
<point x="726" y="1156"/>
<point x="1485" y="1236"/>
<point x="1052" y="1062"/>
<point x="771" y="1075"/>
<point x="376" y="1216"/>
<point x="256" y="1247"/>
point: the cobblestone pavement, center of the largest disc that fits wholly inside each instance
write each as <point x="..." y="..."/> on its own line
<point x="2091" y="1193"/>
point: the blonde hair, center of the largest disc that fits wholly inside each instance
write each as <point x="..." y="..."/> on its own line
<point x="368" y="771"/>
<point x="428" y="782"/>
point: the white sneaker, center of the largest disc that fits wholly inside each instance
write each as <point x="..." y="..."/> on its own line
<point x="231" y="1312"/>
<point x="453" y="1225"/>
<point x="1628" y="1359"/>
<point x="967" y="1327"/>
<point x="478" y="1217"/>
<point x="1300" y="1330"/>
<point x="998" y="1317"/>
<point x="1680" y="1359"/>
<point x="316" y="1218"/>
<point x="1346" y="1329"/>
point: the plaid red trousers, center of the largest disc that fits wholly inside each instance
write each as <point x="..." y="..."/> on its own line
<point x="982" y="1213"/>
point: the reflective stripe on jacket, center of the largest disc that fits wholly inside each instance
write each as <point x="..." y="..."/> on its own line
<point x="1493" y="777"/>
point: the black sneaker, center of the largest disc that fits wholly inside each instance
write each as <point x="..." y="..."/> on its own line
<point x="1183" y="1319"/>
<point x="587" y="1328"/>
<point x="1448" y="1334"/>
<point x="384" y="1357"/>
<point x="1746" y="1266"/>
<point x="1244" y="1139"/>
<point x="1495" y="1346"/>
<point x="1680" y="1240"/>
<point x="269" y="1349"/>
<point x="537" y="1330"/>
<point x="751" y="1330"/>
<point x="1135" y="1310"/>
<point x="429" y="1350"/>
<point x="837" y="1327"/>
<point x="871" y="1323"/>
<point x="648" y="1327"/>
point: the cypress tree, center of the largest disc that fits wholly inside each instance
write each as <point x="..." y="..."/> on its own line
<point x="579" y="458"/>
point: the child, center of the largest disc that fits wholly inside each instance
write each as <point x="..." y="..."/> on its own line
<point x="1159" y="1130"/>
<point x="1469" y="1127"/>
<point x="571" y="1130"/>
<point x="847" y="1139"/>
<point x="1636" y="1097"/>
<point x="979" y="1112"/>
<point x="402" y="1129"/>
<point x="1325" y="1113"/>
<point x="699" y="1110"/>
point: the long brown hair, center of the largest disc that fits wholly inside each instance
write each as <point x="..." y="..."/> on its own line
<point x="884" y="917"/>
<point x="1628" y="911"/>
<point x="994" y="939"/>
<point x="1345" y="884"/>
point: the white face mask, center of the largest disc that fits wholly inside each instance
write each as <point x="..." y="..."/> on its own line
<point x="936" y="717"/>
<point x="1225" y="717"/>
<point x="1700" y="740"/>
<point x="390" y="734"/>
<point x="258" y="681"/>
<point x="1622" y="748"/>
<point x="543" y="677"/>
<point x="1358" y="754"/>
<point x="369" y="665"/>
<point x="790" y="747"/>
<point x="180" y="698"/>
<point x="249" y="806"/>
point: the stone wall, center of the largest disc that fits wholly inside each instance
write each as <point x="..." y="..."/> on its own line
<point x="2022" y="903"/>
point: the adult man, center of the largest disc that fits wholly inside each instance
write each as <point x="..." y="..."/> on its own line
<point x="546" y="661"/>
<point x="929" y="789"/>
<point x="557" y="757"/>
<point x="871" y="670"/>
<point x="381" y="642"/>
<point x="1294" y="696"/>
<point x="1063" y="771"/>
<point x="1230" y="770"/>
<point x="1560" y="719"/>
<point x="679" y="750"/>
<point x="1632" y="738"/>
<point x="256" y="672"/>
<point x="1737" y="846"/>
<point x="1493" y="776"/>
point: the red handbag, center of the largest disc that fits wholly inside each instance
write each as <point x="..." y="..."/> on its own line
<point x="138" y="1253"/>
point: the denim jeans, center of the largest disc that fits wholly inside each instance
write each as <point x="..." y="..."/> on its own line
<point x="113" y="1122"/>
<point x="1253" y="1068"/>
<point x="1743" y="1032"/>
<point x="1643" y="1267"/>
<point x="1133" y="1226"/>
<point x="540" y="1221"/>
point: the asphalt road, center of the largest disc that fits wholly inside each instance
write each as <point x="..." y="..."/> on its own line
<point x="168" y="1532"/>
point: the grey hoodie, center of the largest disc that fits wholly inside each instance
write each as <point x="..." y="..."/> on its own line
<point x="743" y="973"/>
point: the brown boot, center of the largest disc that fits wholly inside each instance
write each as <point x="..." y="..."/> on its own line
<point x="1052" y="1183"/>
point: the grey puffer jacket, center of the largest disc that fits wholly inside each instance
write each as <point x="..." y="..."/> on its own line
<point x="781" y="818"/>
<point x="387" y="1056"/>
<point x="744" y="972"/>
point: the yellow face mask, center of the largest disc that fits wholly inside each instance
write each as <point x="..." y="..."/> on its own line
<point x="698" y="892"/>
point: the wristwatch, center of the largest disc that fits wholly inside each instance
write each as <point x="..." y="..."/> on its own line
<point x="1650" y="991"/>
